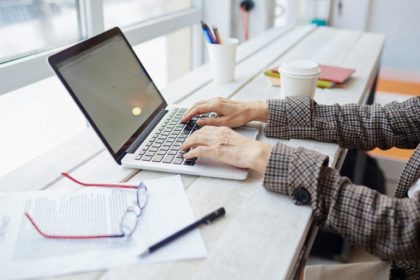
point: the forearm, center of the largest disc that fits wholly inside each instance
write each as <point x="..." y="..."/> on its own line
<point x="384" y="226"/>
<point x="387" y="227"/>
<point x="351" y="126"/>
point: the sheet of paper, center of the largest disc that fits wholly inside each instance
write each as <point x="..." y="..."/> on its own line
<point x="81" y="211"/>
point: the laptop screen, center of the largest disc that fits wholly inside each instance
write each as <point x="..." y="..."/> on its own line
<point x="113" y="89"/>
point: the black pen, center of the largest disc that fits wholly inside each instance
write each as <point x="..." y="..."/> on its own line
<point x="208" y="219"/>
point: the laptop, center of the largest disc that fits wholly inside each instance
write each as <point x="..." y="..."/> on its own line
<point x="116" y="94"/>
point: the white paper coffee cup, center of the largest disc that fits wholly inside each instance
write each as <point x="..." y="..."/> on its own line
<point x="299" y="78"/>
<point x="223" y="59"/>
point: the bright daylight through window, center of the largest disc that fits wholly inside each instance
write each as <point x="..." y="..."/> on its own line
<point x="136" y="11"/>
<point x="29" y="26"/>
<point x="42" y="110"/>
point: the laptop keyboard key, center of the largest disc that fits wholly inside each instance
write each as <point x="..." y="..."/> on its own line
<point x="175" y="147"/>
<point x="157" y="158"/>
<point x="146" y="158"/>
<point x="164" y="144"/>
<point x="189" y="162"/>
<point x="178" y="161"/>
<point x="168" y="159"/>
<point x="180" y="154"/>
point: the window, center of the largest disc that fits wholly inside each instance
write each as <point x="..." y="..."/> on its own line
<point x="45" y="112"/>
<point x="127" y="12"/>
<point x="36" y="105"/>
<point x="29" y="26"/>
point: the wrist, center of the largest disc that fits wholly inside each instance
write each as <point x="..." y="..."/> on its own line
<point x="258" y="111"/>
<point x="261" y="159"/>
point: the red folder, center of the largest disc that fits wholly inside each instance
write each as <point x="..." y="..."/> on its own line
<point x="335" y="74"/>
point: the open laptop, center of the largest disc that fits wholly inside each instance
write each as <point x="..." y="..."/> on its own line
<point x="117" y="96"/>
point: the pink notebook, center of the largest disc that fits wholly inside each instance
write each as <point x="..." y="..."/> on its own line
<point x="335" y="74"/>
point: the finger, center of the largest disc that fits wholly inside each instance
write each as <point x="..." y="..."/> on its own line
<point x="199" y="152"/>
<point x="220" y="121"/>
<point x="204" y="101"/>
<point x="199" y="109"/>
<point x="200" y="137"/>
<point x="208" y="135"/>
<point x="214" y="101"/>
<point x="196" y="110"/>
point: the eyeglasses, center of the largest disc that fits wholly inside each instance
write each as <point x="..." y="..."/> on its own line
<point x="129" y="220"/>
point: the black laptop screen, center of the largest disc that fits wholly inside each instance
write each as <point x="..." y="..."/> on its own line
<point x="113" y="88"/>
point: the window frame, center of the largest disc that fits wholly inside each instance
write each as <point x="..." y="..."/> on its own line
<point x="33" y="68"/>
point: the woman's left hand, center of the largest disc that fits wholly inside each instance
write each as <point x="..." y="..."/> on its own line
<point x="226" y="145"/>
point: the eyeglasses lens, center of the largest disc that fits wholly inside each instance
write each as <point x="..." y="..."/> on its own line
<point x="130" y="220"/>
<point x="142" y="195"/>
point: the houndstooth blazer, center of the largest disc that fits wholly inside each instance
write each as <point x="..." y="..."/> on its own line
<point x="385" y="226"/>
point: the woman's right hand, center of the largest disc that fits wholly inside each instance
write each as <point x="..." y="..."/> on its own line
<point x="230" y="113"/>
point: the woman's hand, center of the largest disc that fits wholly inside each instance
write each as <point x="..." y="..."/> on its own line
<point x="230" y="113"/>
<point x="226" y="145"/>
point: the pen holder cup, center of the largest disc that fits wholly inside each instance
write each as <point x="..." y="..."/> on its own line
<point x="223" y="59"/>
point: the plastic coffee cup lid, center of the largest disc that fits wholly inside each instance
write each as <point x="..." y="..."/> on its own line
<point x="300" y="67"/>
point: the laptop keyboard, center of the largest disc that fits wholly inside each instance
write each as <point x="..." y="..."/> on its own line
<point x="164" y="144"/>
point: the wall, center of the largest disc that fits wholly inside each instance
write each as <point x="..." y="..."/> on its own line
<point x="226" y="15"/>
<point x="398" y="20"/>
<point x="351" y="14"/>
<point x="218" y="13"/>
<point x="260" y="18"/>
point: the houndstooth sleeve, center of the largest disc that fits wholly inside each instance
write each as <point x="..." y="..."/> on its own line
<point x="288" y="170"/>
<point x="351" y="126"/>
<point x="387" y="227"/>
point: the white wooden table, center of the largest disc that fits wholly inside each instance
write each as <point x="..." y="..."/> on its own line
<point x="263" y="233"/>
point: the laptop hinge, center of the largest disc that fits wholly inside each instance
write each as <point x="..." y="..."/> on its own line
<point x="136" y="144"/>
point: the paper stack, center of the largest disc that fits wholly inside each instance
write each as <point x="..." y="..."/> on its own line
<point x="24" y="253"/>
